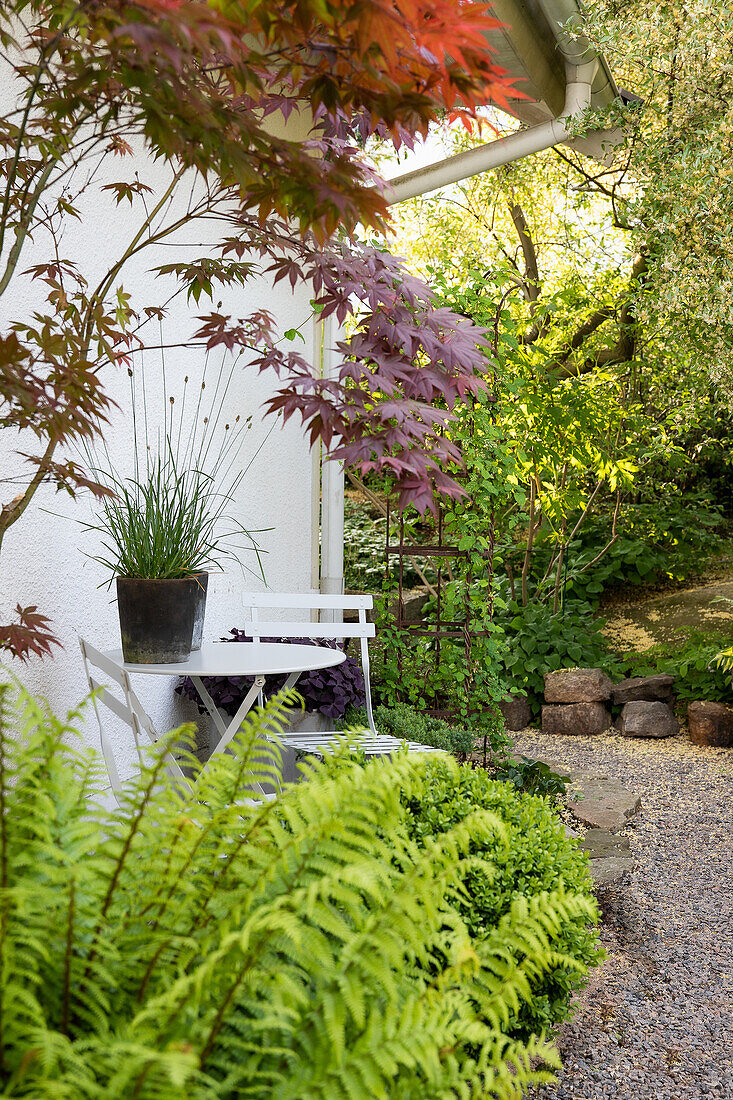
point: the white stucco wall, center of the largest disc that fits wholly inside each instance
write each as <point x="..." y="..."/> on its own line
<point x="43" y="558"/>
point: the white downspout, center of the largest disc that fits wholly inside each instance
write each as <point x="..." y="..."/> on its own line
<point x="504" y="150"/>
<point x="412" y="184"/>
<point x="332" y="487"/>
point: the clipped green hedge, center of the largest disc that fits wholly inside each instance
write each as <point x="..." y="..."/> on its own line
<point x="532" y="858"/>
<point x="409" y="724"/>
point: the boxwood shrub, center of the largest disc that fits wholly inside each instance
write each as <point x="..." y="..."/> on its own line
<point x="533" y="858"/>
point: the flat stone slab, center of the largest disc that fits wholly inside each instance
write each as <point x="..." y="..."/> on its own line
<point x="601" y="803"/>
<point x="608" y="871"/>
<point x="609" y="855"/>
<point x="646" y="688"/>
<point x="577" y="685"/>
<point x="644" y="623"/>
<point x="602" y="844"/>
<point x="597" y="801"/>
<point x="575" y="719"/>
<point x="559" y="768"/>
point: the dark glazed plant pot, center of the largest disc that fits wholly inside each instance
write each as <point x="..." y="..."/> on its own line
<point x="157" y="618"/>
<point x="200" y="612"/>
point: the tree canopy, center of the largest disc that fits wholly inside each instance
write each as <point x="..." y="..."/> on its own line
<point x="209" y="90"/>
<point x="671" y="190"/>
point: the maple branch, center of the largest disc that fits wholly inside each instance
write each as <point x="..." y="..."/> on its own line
<point x="585" y="330"/>
<point x="103" y="287"/>
<point x="23" y="227"/>
<point x="45" y="55"/>
<point x="12" y="511"/>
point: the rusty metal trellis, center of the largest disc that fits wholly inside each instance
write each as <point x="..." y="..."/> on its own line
<point x="437" y="628"/>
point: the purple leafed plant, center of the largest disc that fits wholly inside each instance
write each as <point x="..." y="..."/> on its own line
<point x="328" y="690"/>
<point x="406" y="365"/>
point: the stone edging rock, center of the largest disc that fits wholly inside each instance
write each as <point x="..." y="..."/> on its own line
<point x="577" y="701"/>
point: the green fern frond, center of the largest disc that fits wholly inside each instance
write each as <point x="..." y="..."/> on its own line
<point x="194" y="945"/>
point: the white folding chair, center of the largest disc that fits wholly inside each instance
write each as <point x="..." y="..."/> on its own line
<point x="128" y="709"/>
<point x="372" y="743"/>
<point x="131" y="711"/>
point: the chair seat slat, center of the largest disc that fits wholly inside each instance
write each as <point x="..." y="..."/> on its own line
<point x="381" y="745"/>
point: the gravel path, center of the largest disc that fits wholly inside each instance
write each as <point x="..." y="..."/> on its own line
<point x="656" y="1020"/>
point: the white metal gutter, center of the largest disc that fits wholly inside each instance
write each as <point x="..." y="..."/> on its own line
<point x="332" y="484"/>
<point x="575" y="47"/>
<point x="503" y="150"/>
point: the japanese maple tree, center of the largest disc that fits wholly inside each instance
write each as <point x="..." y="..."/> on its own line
<point x="202" y="87"/>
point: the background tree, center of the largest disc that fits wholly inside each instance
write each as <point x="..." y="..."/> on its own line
<point x="603" y="394"/>
<point x="671" y="186"/>
<point x="204" y="87"/>
<point x="607" y="444"/>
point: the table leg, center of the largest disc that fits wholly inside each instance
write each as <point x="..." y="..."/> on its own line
<point x="230" y="731"/>
<point x="290" y="682"/>
<point x="209" y="704"/>
<point x="239" y="717"/>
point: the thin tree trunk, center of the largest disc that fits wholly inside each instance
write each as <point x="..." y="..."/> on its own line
<point x="530" y="539"/>
<point x="510" y="575"/>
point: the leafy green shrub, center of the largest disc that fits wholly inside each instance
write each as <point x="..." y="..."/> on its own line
<point x="692" y="662"/>
<point x="530" y="860"/>
<point x="409" y="724"/>
<point x="660" y="541"/>
<point x="192" y="945"/>
<point x="670" y="539"/>
<point x="539" y="641"/>
<point x="531" y="776"/>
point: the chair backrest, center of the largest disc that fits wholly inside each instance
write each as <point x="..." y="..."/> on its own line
<point x="259" y="628"/>
<point x="128" y="709"/>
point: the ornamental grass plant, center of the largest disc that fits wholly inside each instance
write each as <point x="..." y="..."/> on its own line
<point x="172" y="515"/>
<point x="192" y="945"/>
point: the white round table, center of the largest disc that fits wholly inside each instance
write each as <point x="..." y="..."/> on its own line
<point x="257" y="659"/>
<point x="242" y="659"/>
